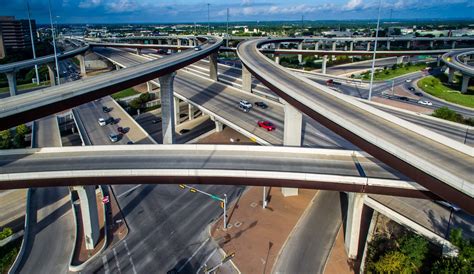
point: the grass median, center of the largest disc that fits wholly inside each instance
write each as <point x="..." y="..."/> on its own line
<point x="25" y="86"/>
<point x="438" y="87"/>
<point x="394" y="71"/>
<point x="124" y="93"/>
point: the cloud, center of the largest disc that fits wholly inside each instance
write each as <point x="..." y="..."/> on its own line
<point x="120" y="6"/>
<point x="89" y="3"/>
<point x="353" y="4"/>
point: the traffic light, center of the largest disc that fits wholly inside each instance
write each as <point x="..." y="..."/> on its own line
<point x="182" y="186"/>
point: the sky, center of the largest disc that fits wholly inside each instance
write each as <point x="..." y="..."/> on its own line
<point x="174" y="11"/>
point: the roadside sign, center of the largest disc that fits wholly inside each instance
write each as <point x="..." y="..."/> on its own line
<point x="105" y="200"/>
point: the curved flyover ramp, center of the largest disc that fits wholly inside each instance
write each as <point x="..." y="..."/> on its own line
<point x="440" y="164"/>
<point x="452" y="60"/>
<point x="33" y="105"/>
<point x="201" y="164"/>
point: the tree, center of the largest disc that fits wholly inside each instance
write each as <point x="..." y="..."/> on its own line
<point x="22" y="130"/>
<point x="463" y="263"/>
<point x="414" y="248"/>
<point x="19" y="141"/>
<point x="393" y="261"/>
<point x="5" y="139"/>
<point x="448" y="114"/>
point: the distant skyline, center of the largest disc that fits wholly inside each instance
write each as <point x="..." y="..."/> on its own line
<point x="175" y="11"/>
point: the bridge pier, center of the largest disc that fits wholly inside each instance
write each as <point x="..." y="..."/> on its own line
<point x="293" y="123"/>
<point x="431" y="44"/>
<point x="167" y="108"/>
<point x="400" y="59"/>
<point x="300" y="56"/>
<point x="438" y="61"/>
<point x="90" y="216"/>
<point x="11" y="77"/>
<point x="179" y="44"/>
<point x="213" y="69"/>
<point x="117" y="67"/>
<point x="333" y="46"/>
<point x="246" y="79"/>
<point x="388" y="44"/>
<point x="450" y="75"/>
<point x="355" y="204"/>
<point x="138" y="51"/>
<point x="177" y="111"/>
<point x="465" y="83"/>
<point x="149" y="86"/>
<point x="52" y="78"/>
<point x="368" y="46"/>
<point x="408" y="44"/>
<point x="82" y="64"/>
<point x="316" y="47"/>
<point x="277" y="58"/>
<point x="351" y="46"/>
<point x="325" y="60"/>
<point x="219" y="126"/>
<point x="453" y="45"/>
<point x="190" y="112"/>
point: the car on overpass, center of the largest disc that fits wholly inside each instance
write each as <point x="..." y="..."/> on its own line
<point x="424" y="102"/>
<point x="266" y="125"/>
<point x="245" y="103"/>
<point x="102" y="122"/>
<point x="261" y="105"/>
<point x="113" y="138"/>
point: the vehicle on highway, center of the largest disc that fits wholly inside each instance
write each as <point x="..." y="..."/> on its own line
<point x="261" y="105"/>
<point x="102" y="122"/>
<point x="408" y="80"/>
<point x="197" y="48"/>
<point x="403" y="98"/>
<point x="411" y="89"/>
<point x="113" y="138"/>
<point x="110" y="120"/>
<point x="129" y="143"/>
<point x="266" y="125"/>
<point x="243" y="108"/>
<point x="451" y="206"/>
<point x="105" y="109"/>
<point x="424" y="102"/>
<point x="245" y="103"/>
<point x="331" y="82"/>
<point x="417" y="93"/>
<point x="155" y="121"/>
<point x="122" y="130"/>
<point x="183" y="131"/>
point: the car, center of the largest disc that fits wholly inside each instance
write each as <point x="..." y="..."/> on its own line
<point x="417" y="93"/>
<point x="424" y="102"/>
<point x="266" y="125"/>
<point x="244" y="109"/>
<point x="408" y="80"/>
<point x="451" y="206"/>
<point x="403" y="98"/>
<point x="110" y="120"/>
<point x="113" y="138"/>
<point x="122" y="130"/>
<point x="155" y="121"/>
<point x="245" y="103"/>
<point x="184" y="130"/>
<point x="261" y="105"/>
<point x="331" y="82"/>
<point x="129" y="143"/>
<point x="411" y="89"/>
<point x="102" y="122"/>
<point x="197" y="48"/>
<point x="105" y="109"/>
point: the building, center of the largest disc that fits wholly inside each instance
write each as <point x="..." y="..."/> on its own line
<point x="15" y="33"/>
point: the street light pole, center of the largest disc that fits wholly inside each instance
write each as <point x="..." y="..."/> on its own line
<point x="208" y="19"/>
<point x="375" y="52"/>
<point x="32" y="42"/>
<point x="227" y="29"/>
<point x="54" y="43"/>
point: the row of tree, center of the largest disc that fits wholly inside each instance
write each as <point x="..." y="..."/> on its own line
<point x="14" y="139"/>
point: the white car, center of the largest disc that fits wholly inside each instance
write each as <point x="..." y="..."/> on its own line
<point x="245" y="104"/>
<point x="408" y="80"/>
<point x="426" y="103"/>
<point x="102" y="122"/>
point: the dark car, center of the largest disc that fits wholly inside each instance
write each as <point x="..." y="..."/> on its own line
<point x="155" y="121"/>
<point x="129" y="143"/>
<point x="110" y="121"/>
<point x="105" y="109"/>
<point x="411" y="89"/>
<point x="418" y="94"/>
<point x="122" y="130"/>
<point x="261" y="105"/>
<point x="403" y="98"/>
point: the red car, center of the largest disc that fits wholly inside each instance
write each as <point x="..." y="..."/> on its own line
<point x="266" y="125"/>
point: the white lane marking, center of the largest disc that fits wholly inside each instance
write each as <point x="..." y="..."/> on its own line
<point x="106" y="264"/>
<point x="194" y="254"/>
<point x="207" y="259"/>
<point x="128" y="191"/>
<point x="117" y="261"/>
<point x="130" y="257"/>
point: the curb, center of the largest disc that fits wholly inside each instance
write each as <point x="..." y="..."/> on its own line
<point x="19" y="257"/>
<point x="332" y="247"/>
<point x="77" y="268"/>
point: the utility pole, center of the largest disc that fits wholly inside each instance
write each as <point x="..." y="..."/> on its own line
<point x="54" y="43"/>
<point x="32" y="42"/>
<point x="302" y="19"/>
<point x="227" y="29"/>
<point x="208" y="19"/>
<point x="375" y="52"/>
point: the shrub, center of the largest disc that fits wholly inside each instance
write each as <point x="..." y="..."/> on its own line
<point x="7" y="232"/>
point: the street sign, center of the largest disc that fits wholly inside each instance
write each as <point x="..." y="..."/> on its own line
<point x="105" y="200"/>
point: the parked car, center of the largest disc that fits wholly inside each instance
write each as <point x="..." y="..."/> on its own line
<point x="113" y="138"/>
<point x="105" y="109"/>
<point x="155" y="121"/>
<point x="110" y="120"/>
<point x="424" y="102"/>
<point x="261" y="105"/>
<point x="411" y="89"/>
<point x="331" y="82"/>
<point x="129" y="143"/>
<point x="122" y="130"/>
<point x="197" y="48"/>
<point x="266" y="125"/>
<point x="245" y="103"/>
<point x="417" y="93"/>
<point x="408" y="80"/>
<point x="403" y="98"/>
<point x="102" y="122"/>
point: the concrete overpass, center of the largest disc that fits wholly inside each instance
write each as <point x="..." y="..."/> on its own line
<point x="400" y="144"/>
<point x="458" y="61"/>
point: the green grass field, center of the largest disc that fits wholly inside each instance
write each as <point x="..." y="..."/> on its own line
<point x="435" y="87"/>
<point x="25" y="86"/>
<point x="389" y="73"/>
<point x="124" y="93"/>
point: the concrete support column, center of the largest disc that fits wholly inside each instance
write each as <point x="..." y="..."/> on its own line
<point x="90" y="216"/>
<point x="52" y="78"/>
<point x="246" y="79"/>
<point x="353" y="223"/>
<point x="399" y="59"/>
<point x="277" y="59"/>
<point x="388" y="45"/>
<point x="159" y="42"/>
<point x="451" y="75"/>
<point x="368" y="46"/>
<point x="219" y="126"/>
<point x="345" y="47"/>
<point x="117" y="67"/>
<point x="167" y="108"/>
<point x="438" y="61"/>
<point x="177" y="111"/>
<point x="300" y="56"/>
<point x="316" y="47"/>
<point x="179" y="44"/>
<point x="190" y="112"/>
<point x="325" y="61"/>
<point x="149" y="86"/>
<point x="465" y="83"/>
<point x="191" y="42"/>
<point x="213" y="67"/>
<point x="11" y="76"/>
<point x="408" y="44"/>
<point x="431" y="44"/>
<point x="454" y="45"/>
<point x="333" y="48"/>
<point x="293" y="123"/>
<point x="351" y="46"/>
<point x="138" y="51"/>
<point x="82" y="64"/>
